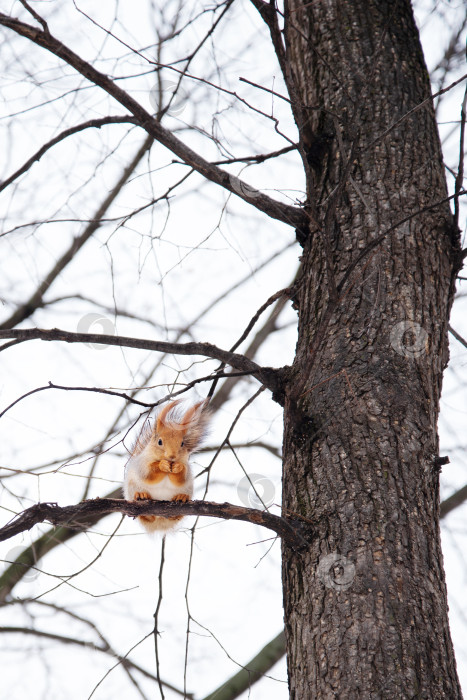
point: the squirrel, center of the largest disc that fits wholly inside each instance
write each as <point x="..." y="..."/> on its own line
<point x="158" y="468"/>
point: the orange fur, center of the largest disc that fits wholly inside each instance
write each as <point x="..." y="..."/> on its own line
<point x="159" y="465"/>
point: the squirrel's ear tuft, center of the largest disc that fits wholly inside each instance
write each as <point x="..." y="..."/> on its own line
<point x="162" y="416"/>
<point x="195" y="423"/>
<point x="191" y="424"/>
<point x="194" y="412"/>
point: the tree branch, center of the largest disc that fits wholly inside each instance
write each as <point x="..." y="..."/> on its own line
<point x="105" y="649"/>
<point x="75" y="516"/>
<point x="92" y="123"/>
<point x="458" y="186"/>
<point x="293" y="216"/>
<point x="454" y="501"/>
<point x="40" y="547"/>
<point x="268" y="376"/>
<point x="36" y="299"/>
<point x="57" y="536"/>
<point x="253" y="671"/>
<point x="457" y="336"/>
<point x="122" y="395"/>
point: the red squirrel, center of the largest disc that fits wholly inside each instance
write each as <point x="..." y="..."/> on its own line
<point x="158" y="468"/>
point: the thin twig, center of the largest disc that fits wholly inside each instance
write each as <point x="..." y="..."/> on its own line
<point x="293" y="216"/>
<point x="460" y="171"/>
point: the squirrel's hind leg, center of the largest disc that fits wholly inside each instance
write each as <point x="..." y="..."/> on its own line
<point x="155" y="523"/>
<point x="148" y="521"/>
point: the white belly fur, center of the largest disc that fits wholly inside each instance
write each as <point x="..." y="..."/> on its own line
<point x="163" y="490"/>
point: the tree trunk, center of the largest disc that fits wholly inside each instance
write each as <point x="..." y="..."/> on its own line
<point x="365" y="601"/>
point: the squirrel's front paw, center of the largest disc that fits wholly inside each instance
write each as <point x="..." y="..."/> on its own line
<point x="142" y="496"/>
<point x="169" y="467"/>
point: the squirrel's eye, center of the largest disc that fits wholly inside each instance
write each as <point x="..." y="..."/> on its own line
<point x="159" y="442"/>
<point x="182" y="443"/>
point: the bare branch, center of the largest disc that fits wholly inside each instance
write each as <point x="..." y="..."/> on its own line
<point x="253" y="671"/>
<point x="260" y="158"/>
<point x="457" y="336"/>
<point x="105" y="648"/>
<point x="36" y="16"/>
<point x="36" y="299"/>
<point x="454" y="501"/>
<point x="293" y="216"/>
<point x="222" y="395"/>
<point x="75" y="516"/>
<point x="261" y="87"/>
<point x="277" y="295"/>
<point x="91" y="123"/>
<point x="39" y="548"/>
<point x="460" y="170"/>
<point x="122" y="395"/>
<point x="266" y="375"/>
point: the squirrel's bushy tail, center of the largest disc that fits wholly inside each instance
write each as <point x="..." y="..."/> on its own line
<point x="155" y="523"/>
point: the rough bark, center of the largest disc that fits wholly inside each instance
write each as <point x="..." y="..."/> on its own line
<point x="365" y="603"/>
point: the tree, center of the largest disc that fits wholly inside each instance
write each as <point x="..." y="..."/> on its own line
<point x="365" y="604"/>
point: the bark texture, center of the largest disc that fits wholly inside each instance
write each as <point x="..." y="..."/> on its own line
<point x="365" y="603"/>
